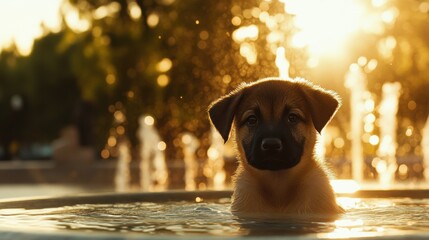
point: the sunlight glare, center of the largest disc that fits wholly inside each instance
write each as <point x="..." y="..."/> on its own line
<point x="345" y="186"/>
<point x="21" y="22"/>
<point x="324" y="25"/>
<point x="348" y="202"/>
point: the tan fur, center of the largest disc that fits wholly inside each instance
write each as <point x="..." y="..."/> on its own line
<point x="303" y="189"/>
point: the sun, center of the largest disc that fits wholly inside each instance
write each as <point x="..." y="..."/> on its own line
<point x="324" y="26"/>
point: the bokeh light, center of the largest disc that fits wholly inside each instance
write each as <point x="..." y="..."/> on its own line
<point x="152" y="20"/>
<point x="164" y="65"/>
<point x="149" y="120"/>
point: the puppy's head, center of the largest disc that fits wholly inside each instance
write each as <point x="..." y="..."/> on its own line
<point x="275" y="120"/>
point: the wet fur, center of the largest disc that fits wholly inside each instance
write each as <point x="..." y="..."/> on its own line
<point x="302" y="189"/>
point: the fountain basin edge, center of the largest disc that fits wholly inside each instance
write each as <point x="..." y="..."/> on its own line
<point x="176" y="195"/>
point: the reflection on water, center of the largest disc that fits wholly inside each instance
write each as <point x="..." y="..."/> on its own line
<point x="364" y="217"/>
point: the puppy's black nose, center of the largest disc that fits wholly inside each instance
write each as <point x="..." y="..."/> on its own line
<point x="271" y="144"/>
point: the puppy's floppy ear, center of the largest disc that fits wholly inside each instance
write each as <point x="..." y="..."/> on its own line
<point x="323" y="105"/>
<point x="222" y="111"/>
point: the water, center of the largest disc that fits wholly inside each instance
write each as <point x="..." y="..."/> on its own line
<point x="153" y="168"/>
<point x="356" y="82"/>
<point x="425" y="147"/>
<point x="365" y="217"/>
<point x="190" y="145"/>
<point x="387" y="165"/>
<point x="214" y="168"/>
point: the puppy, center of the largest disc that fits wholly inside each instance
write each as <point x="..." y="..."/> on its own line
<point x="276" y="123"/>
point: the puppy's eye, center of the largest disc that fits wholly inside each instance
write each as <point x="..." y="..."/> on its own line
<point x="293" y="118"/>
<point x="252" y="120"/>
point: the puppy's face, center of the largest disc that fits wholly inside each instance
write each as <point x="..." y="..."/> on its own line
<point x="271" y="122"/>
<point x="275" y="121"/>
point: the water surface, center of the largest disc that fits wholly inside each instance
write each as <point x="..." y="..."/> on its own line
<point x="364" y="217"/>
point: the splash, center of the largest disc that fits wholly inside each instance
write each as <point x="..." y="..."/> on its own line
<point x="122" y="175"/>
<point x="386" y="166"/>
<point x="190" y="145"/>
<point x="153" y="169"/>
<point x="425" y="149"/>
<point x="213" y="169"/>
<point x="356" y="82"/>
<point x="282" y="63"/>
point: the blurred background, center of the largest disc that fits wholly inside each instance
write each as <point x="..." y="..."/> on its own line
<point x="111" y="95"/>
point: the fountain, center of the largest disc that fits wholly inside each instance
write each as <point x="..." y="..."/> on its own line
<point x="206" y="215"/>
<point x="213" y="168"/>
<point x="190" y="145"/>
<point x="399" y="214"/>
<point x="386" y="165"/>
<point x="282" y="63"/>
<point x="356" y="82"/>
<point x="122" y="175"/>
<point x="425" y="149"/>
<point x="153" y="169"/>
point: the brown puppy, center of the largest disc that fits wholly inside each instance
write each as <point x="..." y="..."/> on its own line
<point x="276" y="125"/>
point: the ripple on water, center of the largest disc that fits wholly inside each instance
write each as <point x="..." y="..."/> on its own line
<point x="364" y="217"/>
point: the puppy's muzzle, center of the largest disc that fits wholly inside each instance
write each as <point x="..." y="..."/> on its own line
<point x="271" y="145"/>
<point x="273" y="149"/>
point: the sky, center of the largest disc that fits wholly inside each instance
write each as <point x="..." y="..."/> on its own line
<point x="20" y="21"/>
